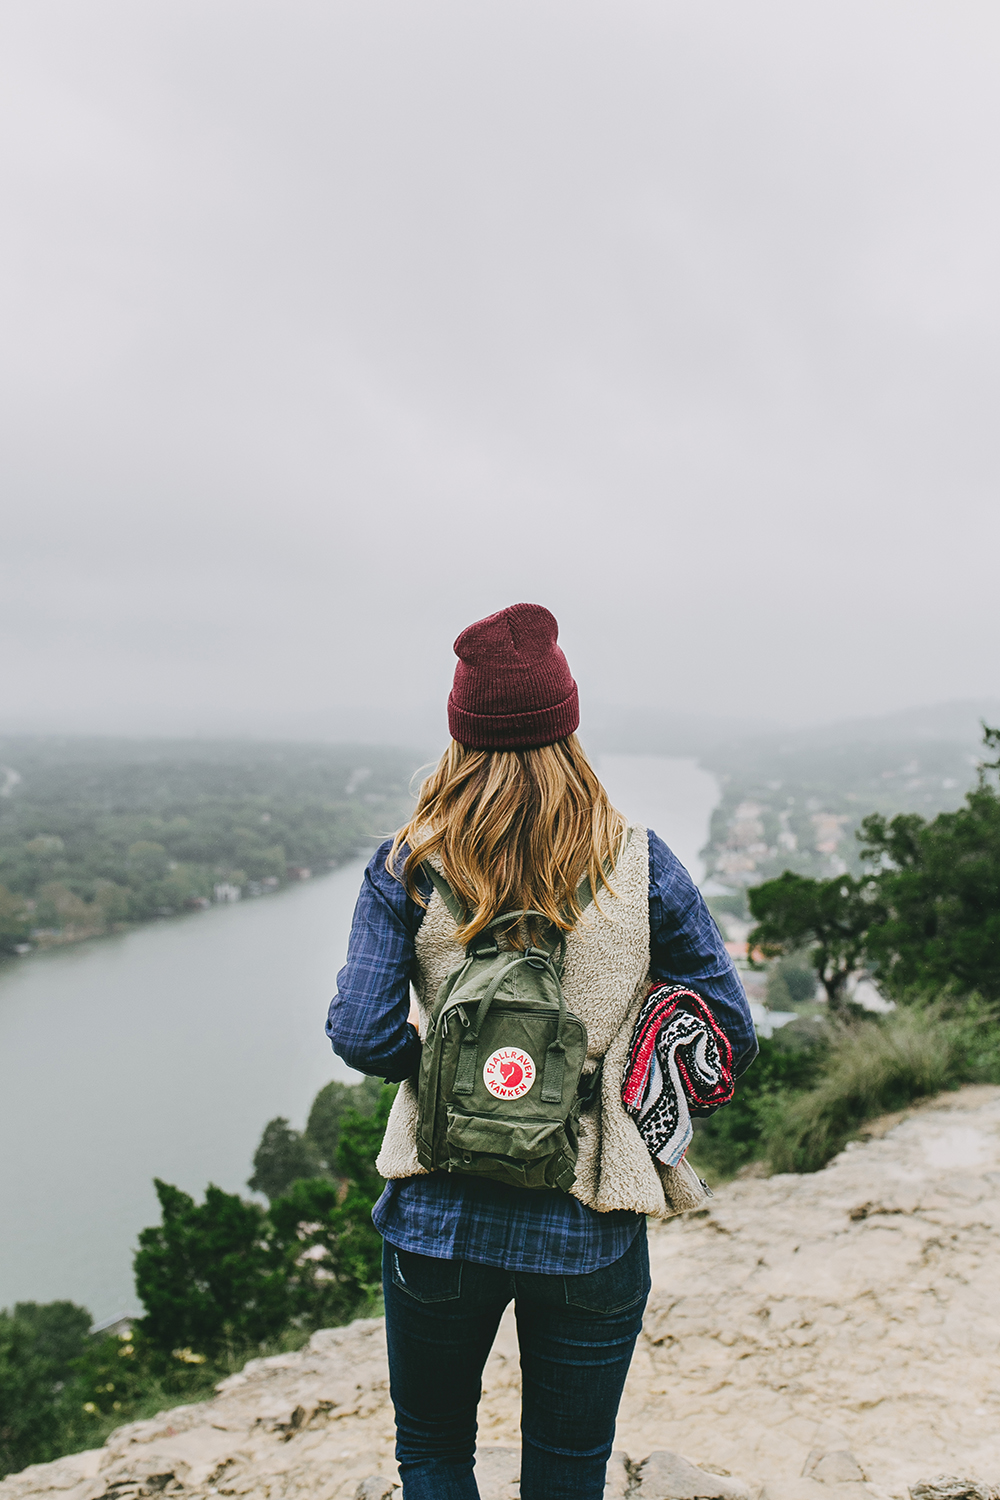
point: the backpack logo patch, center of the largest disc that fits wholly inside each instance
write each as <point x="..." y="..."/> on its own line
<point x="509" y="1073"/>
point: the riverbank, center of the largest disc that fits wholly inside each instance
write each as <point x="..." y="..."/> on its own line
<point x="42" y="940"/>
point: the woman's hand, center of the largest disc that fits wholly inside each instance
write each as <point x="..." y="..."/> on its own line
<point x="414" y="1017"/>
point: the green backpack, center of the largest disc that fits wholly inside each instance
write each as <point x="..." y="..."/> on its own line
<point x="500" y="1089"/>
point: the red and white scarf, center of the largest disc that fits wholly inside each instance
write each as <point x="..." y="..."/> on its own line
<point x="679" y="1059"/>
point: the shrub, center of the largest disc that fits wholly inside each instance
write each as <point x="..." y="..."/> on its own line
<point x="813" y="1085"/>
<point x="788" y="1062"/>
<point x="872" y="1067"/>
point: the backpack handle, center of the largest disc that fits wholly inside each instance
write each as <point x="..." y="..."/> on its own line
<point x="538" y="955"/>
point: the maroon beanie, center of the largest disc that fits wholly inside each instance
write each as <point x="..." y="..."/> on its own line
<point x="513" y="687"/>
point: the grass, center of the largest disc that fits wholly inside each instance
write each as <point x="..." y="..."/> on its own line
<point x="808" y="1095"/>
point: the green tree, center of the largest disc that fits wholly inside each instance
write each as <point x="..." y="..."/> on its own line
<point x="63" y="909"/>
<point x="283" y="1156"/>
<point x="331" y="1247"/>
<point x="60" y="1331"/>
<point x="829" y="917"/>
<point x="46" y="846"/>
<point x="360" y="1244"/>
<point x="208" y="1275"/>
<point x="939" y="882"/>
<point x="111" y="901"/>
<point x="14" y="920"/>
<point x="330" y="1276"/>
<point x="360" y="1142"/>
<point x="790" y="982"/>
<point x="38" y="1343"/>
<point x="147" y="861"/>
<point x="328" y="1110"/>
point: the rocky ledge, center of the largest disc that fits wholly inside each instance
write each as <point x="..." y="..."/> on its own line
<point x="825" y="1337"/>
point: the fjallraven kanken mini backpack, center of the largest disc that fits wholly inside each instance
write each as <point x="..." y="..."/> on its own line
<point x="500" y="1088"/>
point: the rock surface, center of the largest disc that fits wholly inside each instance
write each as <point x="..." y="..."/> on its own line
<point x="824" y="1337"/>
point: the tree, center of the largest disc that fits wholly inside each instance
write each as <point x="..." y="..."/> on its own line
<point x="209" y="1276"/>
<point x="59" y="1329"/>
<point x="283" y="1156"/>
<point x="328" y="1110"/>
<point x="147" y="861"/>
<point x="63" y="909"/>
<point x="790" y="982"/>
<point x="14" y="921"/>
<point x="332" y="1249"/>
<point x="830" y="917"/>
<point x="360" y="1142"/>
<point x="37" y="1344"/>
<point x="939" y="883"/>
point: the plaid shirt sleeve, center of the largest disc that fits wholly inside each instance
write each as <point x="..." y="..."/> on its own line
<point x="686" y="947"/>
<point x="367" y="1023"/>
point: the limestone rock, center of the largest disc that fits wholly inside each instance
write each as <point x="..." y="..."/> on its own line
<point x="667" y="1476"/>
<point x="618" y="1480"/>
<point x="840" y="1467"/>
<point x="947" y="1487"/>
<point x="377" y="1487"/>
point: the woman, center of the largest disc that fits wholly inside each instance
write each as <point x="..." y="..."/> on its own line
<point x="515" y="818"/>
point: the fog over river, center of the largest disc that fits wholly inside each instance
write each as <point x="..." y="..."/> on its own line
<point x="163" y="1052"/>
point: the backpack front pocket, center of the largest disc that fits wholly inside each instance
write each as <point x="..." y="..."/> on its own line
<point x="526" y="1153"/>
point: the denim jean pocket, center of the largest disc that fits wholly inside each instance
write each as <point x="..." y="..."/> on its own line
<point x="424" y="1277"/>
<point x="615" y="1288"/>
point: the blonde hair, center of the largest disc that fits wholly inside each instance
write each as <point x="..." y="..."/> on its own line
<point x="513" y="830"/>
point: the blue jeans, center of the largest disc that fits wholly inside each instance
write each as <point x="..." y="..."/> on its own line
<point x="576" y="1335"/>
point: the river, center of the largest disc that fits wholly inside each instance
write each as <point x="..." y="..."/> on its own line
<point x="163" y="1051"/>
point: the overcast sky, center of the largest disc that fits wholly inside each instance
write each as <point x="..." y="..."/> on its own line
<point x="331" y="327"/>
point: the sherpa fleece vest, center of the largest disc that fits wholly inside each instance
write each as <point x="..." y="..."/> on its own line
<point x="605" y="978"/>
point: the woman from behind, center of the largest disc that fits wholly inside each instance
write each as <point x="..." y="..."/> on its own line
<point x="514" y="820"/>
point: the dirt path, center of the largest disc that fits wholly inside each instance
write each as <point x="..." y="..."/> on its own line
<point x="828" y="1336"/>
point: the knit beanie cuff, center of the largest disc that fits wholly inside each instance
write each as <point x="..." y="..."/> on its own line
<point x="539" y="726"/>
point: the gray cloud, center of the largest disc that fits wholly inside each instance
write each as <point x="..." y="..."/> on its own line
<point x="332" y="327"/>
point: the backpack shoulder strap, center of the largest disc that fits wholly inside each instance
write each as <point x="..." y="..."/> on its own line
<point x="446" y="893"/>
<point x="584" y="894"/>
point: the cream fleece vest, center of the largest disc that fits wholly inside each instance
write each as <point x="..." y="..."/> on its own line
<point x="605" y="978"/>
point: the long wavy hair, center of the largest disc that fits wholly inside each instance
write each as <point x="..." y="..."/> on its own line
<point x="513" y="830"/>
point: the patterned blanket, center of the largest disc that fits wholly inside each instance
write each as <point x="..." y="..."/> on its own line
<point x="680" y="1060"/>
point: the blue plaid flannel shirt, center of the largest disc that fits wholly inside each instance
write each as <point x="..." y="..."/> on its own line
<point x="468" y="1218"/>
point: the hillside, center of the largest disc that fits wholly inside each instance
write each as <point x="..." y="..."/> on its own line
<point x="824" y="1337"/>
